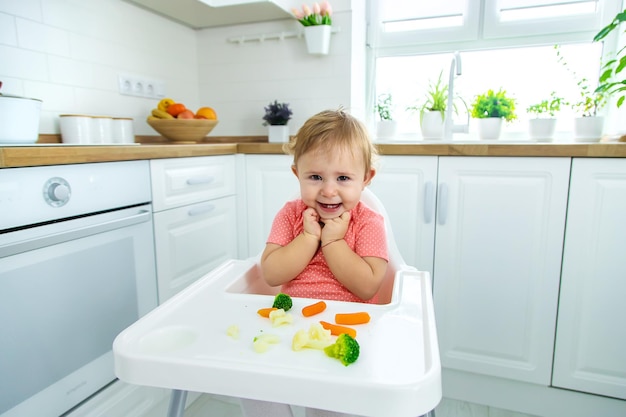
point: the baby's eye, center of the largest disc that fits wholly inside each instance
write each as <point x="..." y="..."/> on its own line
<point x="315" y="177"/>
<point x="343" y="178"/>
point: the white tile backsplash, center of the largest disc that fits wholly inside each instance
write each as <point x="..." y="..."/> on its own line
<point x="42" y="38"/>
<point x="69" y="53"/>
<point x="8" y="31"/>
<point x="29" y="9"/>
<point x="239" y="80"/>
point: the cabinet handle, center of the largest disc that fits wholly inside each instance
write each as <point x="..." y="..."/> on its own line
<point x="428" y="202"/>
<point x="200" y="180"/>
<point x="196" y="211"/>
<point x="442" y="204"/>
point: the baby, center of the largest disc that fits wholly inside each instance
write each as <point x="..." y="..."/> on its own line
<point x="327" y="244"/>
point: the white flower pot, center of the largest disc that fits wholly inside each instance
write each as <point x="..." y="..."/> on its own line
<point x="489" y="128"/>
<point x="278" y="133"/>
<point x="317" y="39"/>
<point x="542" y="130"/>
<point x="588" y="129"/>
<point x="386" y="129"/>
<point x="432" y="125"/>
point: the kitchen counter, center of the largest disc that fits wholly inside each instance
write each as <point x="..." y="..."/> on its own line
<point x="59" y="154"/>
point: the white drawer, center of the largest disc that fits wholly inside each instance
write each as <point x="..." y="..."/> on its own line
<point x="193" y="240"/>
<point x="180" y="181"/>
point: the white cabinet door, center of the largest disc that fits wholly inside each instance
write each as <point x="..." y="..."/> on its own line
<point x="499" y="238"/>
<point x="590" y="352"/>
<point x="191" y="241"/>
<point x="406" y="185"/>
<point x="270" y="183"/>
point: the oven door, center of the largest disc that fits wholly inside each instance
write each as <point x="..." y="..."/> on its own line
<point x="66" y="290"/>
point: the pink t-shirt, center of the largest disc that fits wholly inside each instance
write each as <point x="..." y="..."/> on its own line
<point x="365" y="235"/>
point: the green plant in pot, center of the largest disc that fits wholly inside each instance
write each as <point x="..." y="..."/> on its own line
<point x="433" y="110"/>
<point x="384" y="106"/>
<point x="609" y="79"/>
<point x="588" y="124"/>
<point x="543" y="125"/>
<point x="490" y="109"/>
<point x="386" y="127"/>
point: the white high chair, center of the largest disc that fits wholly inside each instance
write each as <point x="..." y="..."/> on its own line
<point x="183" y="344"/>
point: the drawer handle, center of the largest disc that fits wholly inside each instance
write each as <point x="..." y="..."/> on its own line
<point x="200" y="180"/>
<point x="196" y="211"/>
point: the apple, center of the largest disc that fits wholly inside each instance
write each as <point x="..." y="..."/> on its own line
<point x="186" y="114"/>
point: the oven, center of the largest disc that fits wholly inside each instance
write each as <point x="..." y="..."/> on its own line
<point x="77" y="266"/>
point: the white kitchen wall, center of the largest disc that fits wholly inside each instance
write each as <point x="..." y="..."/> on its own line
<point x="69" y="53"/>
<point x="239" y="80"/>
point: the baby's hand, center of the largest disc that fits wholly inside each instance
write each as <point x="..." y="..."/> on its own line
<point x="336" y="228"/>
<point x="310" y="223"/>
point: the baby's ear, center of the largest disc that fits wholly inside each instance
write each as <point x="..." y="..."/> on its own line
<point x="294" y="169"/>
<point x="368" y="176"/>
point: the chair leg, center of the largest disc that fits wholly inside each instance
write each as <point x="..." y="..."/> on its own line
<point x="177" y="403"/>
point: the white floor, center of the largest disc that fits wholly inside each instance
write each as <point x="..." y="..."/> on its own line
<point x="209" y="405"/>
<point x="125" y="400"/>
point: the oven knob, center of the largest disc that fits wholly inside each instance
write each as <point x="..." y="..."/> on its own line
<point x="57" y="192"/>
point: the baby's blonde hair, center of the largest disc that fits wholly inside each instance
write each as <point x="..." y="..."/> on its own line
<point x="333" y="129"/>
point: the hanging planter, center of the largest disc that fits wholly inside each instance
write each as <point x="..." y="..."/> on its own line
<point x="317" y="39"/>
<point x="317" y="26"/>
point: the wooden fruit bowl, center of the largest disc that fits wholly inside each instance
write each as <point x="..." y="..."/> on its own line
<point x="183" y="130"/>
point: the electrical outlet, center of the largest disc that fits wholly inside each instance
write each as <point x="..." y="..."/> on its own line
<point x="140" y="86"/>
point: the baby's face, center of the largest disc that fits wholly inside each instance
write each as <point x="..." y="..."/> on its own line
<point x="331" y="182"/>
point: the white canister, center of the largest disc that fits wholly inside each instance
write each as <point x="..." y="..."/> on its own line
<point x="19" y="119"/>
<point x="123" y="130"/>
<point x="76" y="129"/>
<point x="102" y="129"/>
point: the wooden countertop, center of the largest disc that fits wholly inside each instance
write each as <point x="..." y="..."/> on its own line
<point x="58" y="154"/>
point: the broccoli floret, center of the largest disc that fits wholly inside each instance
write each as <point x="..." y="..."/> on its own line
<point x="282" y="301"/>
<point x="345" y="348"/>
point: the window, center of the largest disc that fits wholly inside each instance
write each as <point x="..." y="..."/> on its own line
<point x="511" y="45"/>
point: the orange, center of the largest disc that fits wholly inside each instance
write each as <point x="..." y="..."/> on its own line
<point x="175" y="109"/>
<point x="207" y="112"/>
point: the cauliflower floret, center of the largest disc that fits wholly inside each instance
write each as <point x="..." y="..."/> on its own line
<point x="316" y="337"/>
<point x="280" y="317"/>
<point x="263" y="342"/>
<point x="233" y="331"/>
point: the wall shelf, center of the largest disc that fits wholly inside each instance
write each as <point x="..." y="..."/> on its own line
<point x="262" y="37"/>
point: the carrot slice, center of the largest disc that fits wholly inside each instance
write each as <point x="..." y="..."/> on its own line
<point x="336" y="330"/>
<point x="360" y="317"/>
<point x="313" y="309"/>
<point x="265" y="312"/>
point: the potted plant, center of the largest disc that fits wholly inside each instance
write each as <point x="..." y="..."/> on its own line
<point x="276" y="117"/>
<point x="317" y="22"/>
<point x="490" y="109"/>
<point x="432" y="112"/>
<point x="386" y="126"/>
<point x="588" y="124"/>
<point x="608" y="83"/>
<point x="543" y="124"/>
